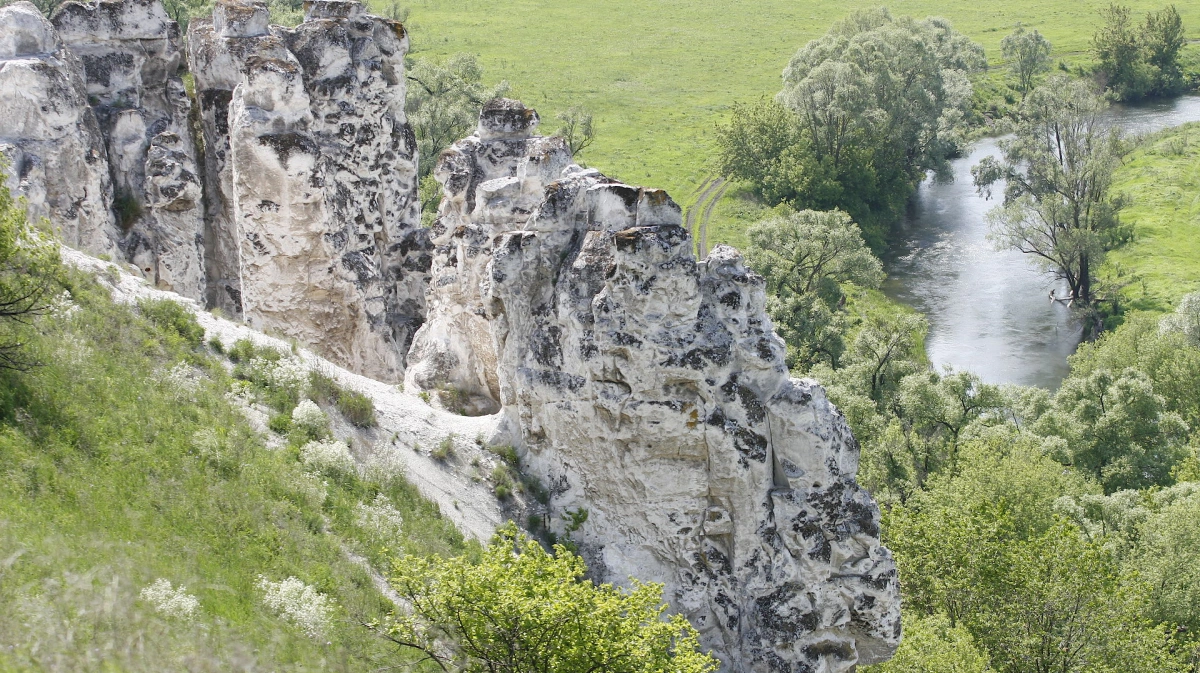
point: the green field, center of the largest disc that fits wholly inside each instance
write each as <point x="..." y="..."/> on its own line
<point x="1162" y="182"/>
<point x="660" y="75"/>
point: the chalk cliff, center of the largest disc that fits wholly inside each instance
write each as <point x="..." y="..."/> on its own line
<point x="132" y="58"/>
<point x="638" y="383"/>
<point x="314" y="221"/>
<point x="649" y="389"/>
<point x="49" y="134"/>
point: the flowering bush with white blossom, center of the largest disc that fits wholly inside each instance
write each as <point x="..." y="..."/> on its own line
<point x="183" y="380"/>
<point x="327" y="454"/>
<point x="298" y="604"/>
<point x="175" y="603"/>
<point x="380" y="517"/>
<point x="308" y="417"/>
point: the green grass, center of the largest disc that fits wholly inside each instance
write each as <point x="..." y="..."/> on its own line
<point x="1161" y="179"/>
<point x="660" y="75"/>
<point x="112" y="475"/>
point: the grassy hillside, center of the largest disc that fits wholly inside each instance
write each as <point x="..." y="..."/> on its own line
<point x="1162" y="182"/>
<point x="660" y="75"/>
<point x="124" y="459"/>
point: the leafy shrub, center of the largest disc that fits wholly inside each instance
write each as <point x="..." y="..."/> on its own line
<point x="522" y="605"/>
<point x="308" y="419"/>
<point x="280" y="424"/>
<point x="444" y="449"/>
<point x="357" y="408"/>
<point x="172" y="318"/>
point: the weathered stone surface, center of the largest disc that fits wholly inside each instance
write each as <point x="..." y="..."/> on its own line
<point x="130" y="50"/>
<point x="218" y="50"/>
<point x="492" y="182"/>
<point x="314" y="218"/>
<point x="649" y="389"/>
<point x="48" y="132"/>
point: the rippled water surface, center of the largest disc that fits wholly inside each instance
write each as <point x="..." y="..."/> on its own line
<point x="989" y="310"/>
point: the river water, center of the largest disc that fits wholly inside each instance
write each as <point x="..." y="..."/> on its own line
<point x="989" y="310"/>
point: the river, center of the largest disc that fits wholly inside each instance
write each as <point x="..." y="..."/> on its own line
<point x="989" y="310"/>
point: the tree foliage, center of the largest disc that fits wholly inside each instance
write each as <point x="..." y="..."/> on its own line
<point x="1028" y="54"/>
<point x="805" y="257"/>
<point x="523" y="610"/>
<point x="577" y="128"/>
<point x="29" y="270"/>
<point x="986" y="549"/>
<point x="864" y="112"/>
<point x="443" y="103"/>
<point x="933" y="645"/>
<point x="1114" y="428"/>
<point x="1057" y="168"/>
<point x="1136" y="62"/>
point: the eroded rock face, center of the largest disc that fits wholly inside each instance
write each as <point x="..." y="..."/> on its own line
<point x="492" y="182"/>
<point x="48" y="132"/>
<point x="649" y="389"/>
<point x="131" y="56"/>
<point x="314" y="218"/>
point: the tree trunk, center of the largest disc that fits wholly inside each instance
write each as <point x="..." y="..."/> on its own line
<point x="1085" y="280"/>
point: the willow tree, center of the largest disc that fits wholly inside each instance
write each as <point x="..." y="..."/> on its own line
<point x="1057" y="168"/>
<point x="1028" y="54"/>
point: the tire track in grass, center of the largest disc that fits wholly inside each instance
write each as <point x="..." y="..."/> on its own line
<point x="689" y="220"/>
<point x="721" y="184"/>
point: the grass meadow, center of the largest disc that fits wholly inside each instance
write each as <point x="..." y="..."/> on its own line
<point x="660" y="75"/>
<point x="123" y="461"/>
<point x="1161" y="181"/>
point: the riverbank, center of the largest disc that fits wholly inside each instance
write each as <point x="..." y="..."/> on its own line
<point x="1161" y="179"/>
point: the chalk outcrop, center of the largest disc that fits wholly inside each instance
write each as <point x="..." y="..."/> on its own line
<point x="314" y="218"/>
<point x="48" y="132"/>
<point x="649" y="389"/>
<point x="132" y="58"/>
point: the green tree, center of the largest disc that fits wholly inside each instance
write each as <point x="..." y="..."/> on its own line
<point x="1163" y="37"/>
<point x="443" y="103"/>
<point x="864" y="112"/>
<point x="1135" y="62"/>
<point x="884" y="351"/>
<point x="1028" y="54"/>
<point x="1169" y="556"/>
<point x="1117" y="46"/>
<point x="939" y="408"/>
<point x="1114" y="428"/>
<point x="933" y="645"/>
<point x="523" y="610"/>
<point x="29" y="271"/>
<point x="805" y="257"/>
<point x="577" y="128"/>
<point x="1057" y="167"/>
<point x="985" y="548"/>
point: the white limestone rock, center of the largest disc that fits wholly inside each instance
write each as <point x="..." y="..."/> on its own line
<point x="312" y="179"/>
<point x="131" y="55"/>
<point x="491" y="183"/>
<point x="649" y="389"/>
<point x="49" y="135"/>
<point x="218" y="50"/>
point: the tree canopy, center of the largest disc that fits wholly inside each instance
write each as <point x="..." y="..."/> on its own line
<point x="521" y="609"/>
<point x="1057" y="168"/>
<point x="864" y="112"/>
